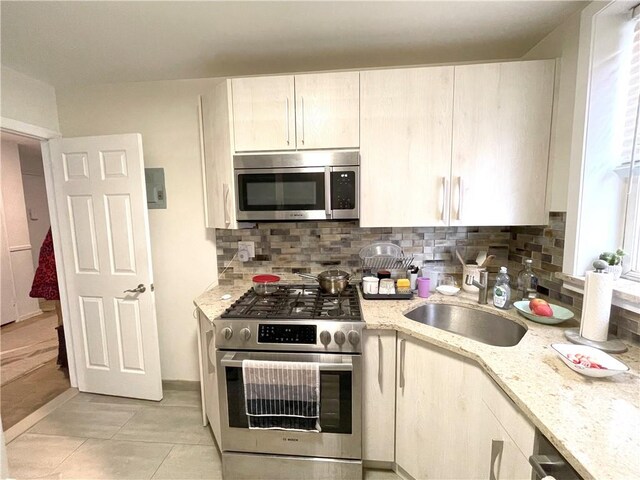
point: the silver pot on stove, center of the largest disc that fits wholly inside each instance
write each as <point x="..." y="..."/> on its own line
<point x="330" y="281"/>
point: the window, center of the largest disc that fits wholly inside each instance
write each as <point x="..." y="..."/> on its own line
<point x="629" y="167"/>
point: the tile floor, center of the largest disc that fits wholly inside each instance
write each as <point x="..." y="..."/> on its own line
<point x="96" y="436"/>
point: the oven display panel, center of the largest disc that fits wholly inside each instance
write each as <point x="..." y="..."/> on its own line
<point x="301" y="334"/>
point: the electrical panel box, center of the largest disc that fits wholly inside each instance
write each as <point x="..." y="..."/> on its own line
<point x="156" y="193"/>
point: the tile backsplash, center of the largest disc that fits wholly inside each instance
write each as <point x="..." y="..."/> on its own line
<point x="311" y="247"/>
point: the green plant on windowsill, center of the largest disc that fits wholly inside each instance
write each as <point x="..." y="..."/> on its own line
<point x="614" y="260"/>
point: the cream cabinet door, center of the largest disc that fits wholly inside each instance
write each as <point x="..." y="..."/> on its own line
<point x="263" y="113"/>
<point x="379" y="394"/>
<point x="405" y="118"/>
<point x="501" y="130"/>
<point x="327" y="110"/>
<point x="209" y="374"/>
<point x="438" y="431"/>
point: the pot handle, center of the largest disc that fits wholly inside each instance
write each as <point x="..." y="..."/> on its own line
<point x="308" y="275"/>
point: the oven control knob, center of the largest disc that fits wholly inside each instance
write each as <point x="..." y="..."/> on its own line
<point x="325" y="338"/>
<point x="245" y="334"/>
<point x="354" y="337"/>
<point x="227" y="333"/>
<point x="339" y="337"/>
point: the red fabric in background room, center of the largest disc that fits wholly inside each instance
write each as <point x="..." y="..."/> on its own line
<point x="45" y="281"/>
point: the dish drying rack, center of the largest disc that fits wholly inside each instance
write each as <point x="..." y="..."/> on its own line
<point x="384" y="256"/>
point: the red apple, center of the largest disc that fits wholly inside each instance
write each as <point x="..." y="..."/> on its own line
<point x="543" y="310"/>
<point x="536" y="301"/>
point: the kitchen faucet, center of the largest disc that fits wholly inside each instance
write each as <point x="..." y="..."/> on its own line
<point x="483" y="286"/>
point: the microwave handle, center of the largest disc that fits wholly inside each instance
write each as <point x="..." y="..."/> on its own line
<point x="229" y="360"/>
<point x="327" y="192"/>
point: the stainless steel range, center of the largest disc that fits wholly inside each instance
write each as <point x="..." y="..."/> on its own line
<point x="298" y="323"/>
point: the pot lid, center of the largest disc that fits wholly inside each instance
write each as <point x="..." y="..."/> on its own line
<point x="266" y="278"/>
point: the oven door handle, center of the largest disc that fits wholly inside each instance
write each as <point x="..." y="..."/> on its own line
<point x="346" y="365"/>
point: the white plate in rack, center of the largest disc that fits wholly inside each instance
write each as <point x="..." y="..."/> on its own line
<point x="569" y="352"/>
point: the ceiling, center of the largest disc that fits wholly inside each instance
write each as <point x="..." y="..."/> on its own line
<point x="69" y="43"/>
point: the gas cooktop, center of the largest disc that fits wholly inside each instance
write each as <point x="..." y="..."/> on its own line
<point x="297" y="302"/>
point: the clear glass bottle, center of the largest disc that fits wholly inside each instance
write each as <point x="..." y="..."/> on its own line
<point x="502" y="290"/>
<point x="527" y="282"/>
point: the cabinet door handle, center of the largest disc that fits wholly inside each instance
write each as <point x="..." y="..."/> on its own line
<point x="211" y="352"/>
<point x="459" y="213"/>
<point x="288" y="118"/>
<point x="380" y="362"/>
<point x="402" y="342"/>
<point x="444" y="198"/>
<point x="225" y="201"/>
<point x="302" y="112"/>
<point x="496" y="450"/>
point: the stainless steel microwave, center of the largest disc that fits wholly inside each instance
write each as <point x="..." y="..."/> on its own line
<point x="317" y="185"/>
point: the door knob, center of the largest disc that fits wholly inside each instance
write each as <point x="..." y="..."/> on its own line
<point x="139" y="289"/>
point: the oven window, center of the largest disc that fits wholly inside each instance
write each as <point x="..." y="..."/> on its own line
<point x="335" y="400"/>
<point x="281" y="191"/>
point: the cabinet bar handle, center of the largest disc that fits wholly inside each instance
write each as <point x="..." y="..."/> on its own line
<point x="459" y="198"/>
<point x="496" y="450"/>
<point x="225" y="201"/>
<point x="402" y="342"/>
<point x="302" y="111"/>
<point x="380" y="362"/>
<point x="288" y="128"/>
<point x="444" y="197"/>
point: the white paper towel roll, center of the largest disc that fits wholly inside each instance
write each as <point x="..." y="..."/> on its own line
<point x="598" y="288"/>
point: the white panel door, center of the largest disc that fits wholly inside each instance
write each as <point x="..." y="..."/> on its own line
<point x="405" y="146"/>
<point x="104" y="250"/>
<point x="327" y="110"/>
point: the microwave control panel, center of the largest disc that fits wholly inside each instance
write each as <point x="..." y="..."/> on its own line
<point x="343" y="190"/>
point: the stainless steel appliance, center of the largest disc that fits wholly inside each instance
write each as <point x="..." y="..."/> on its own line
<point x="547" y="461"/>
<point x="315" y="185"/>
<point x="297" y="323"/>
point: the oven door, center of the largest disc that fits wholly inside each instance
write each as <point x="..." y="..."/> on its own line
<point x="340" y="413"/>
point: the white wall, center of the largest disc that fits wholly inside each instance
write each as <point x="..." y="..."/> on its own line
<point x="183" y="251"/>
<point x="28" y="100"/>
<point x="561" y="43"/>
<point x="15" y="218"/>
<point x="35" y="197"/>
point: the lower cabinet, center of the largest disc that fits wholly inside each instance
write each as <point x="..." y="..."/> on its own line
<point x="446" y="421"/>
<point x="379" y="395"/>
<point x="209" y="374"/>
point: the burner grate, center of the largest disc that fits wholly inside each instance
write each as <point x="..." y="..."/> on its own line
<point x="297" y="302"/>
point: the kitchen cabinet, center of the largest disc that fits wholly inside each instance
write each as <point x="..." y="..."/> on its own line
<point x="406" y="127"/>
<point x="209" y="374"/>
<point x="288" y="112"/>
<point x="463" y="145"/>
<point x="263" y="113"/>
<point x="501" y="134"/>
<point x="217" y="158"/>
<point x="452" y="421"/>
<point x="379" y="392"/>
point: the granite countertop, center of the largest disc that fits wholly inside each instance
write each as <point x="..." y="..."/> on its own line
<point x="594" y="423"/>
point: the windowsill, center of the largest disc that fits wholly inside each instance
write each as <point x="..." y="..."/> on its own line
<point x="626" y="293"/>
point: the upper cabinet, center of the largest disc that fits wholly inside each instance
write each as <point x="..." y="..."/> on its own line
<point x="290" y="112"/>
<point x="464" y="145"/>
<point x="405" y="120"/>
<point x="501" y="133"/>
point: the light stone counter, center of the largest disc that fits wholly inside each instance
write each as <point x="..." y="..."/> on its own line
<point x="594" y="423"/>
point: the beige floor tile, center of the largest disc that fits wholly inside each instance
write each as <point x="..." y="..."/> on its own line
<point x="83" y="419"/>
<point x="113" y="460"/>
<point x="374" y="474"/>
<point x="191" y="462"/>
<point x="33" y="455"/>
<point x="166" y="424"/>
<point x="181" y="398"/>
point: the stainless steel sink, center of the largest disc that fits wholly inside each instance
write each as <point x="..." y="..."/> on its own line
<point x="475" y="324"/>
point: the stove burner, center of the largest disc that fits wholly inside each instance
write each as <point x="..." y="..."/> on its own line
<point x="297" y="302"/>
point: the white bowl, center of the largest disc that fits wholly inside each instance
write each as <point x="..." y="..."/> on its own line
<point x="610" y="366"/>
<point x="447" y="289"/>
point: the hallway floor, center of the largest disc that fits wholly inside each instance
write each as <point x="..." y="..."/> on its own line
<point x="28" y="372"/>
<point x="96" y="436"/>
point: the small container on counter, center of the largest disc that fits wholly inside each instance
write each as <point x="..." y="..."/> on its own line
<point x="403" y="286"/>
<point x="412" y="273"/>
<point x="370" y="285"/>
<point x="423" y="287"/>
<point x="387" y="286"/>
<point x="384" y="274"/>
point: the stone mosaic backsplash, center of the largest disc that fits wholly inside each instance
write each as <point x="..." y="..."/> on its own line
<point x="311" y="247"/>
